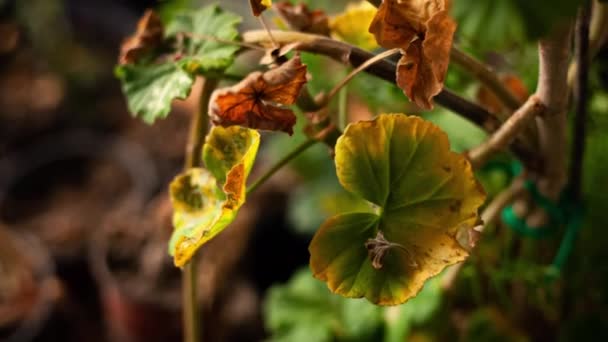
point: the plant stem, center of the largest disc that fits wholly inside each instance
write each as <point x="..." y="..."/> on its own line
<point x="342" y="108"/>
<point x="598" y="34"/>
<point x="507" y="132"/>
<point x="375" y="59"/>
<point x="346" y="53"/>
<point x="296" y="152"/>
<point x="489" y="215"/>
<point x="199" y="126"/>
<point x="488" y="78"/>
<point x="581" y="90"/>
<point x="554" y="55"/>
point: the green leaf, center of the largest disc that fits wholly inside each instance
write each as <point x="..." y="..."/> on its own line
<point x="503" y="24"/>
<point x="304" y="310"/>
<point x="162" y="76"/>
<point x="400" y="319"/>
<point x="426" y="194"/>
<point x="206" y="201"/>
<point x="201" y="52"/>
<point x="151" y="88"/>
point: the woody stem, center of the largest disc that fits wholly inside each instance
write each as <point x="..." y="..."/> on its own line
<point x="199" y="126"/>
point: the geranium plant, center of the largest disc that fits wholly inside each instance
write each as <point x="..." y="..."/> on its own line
<point x="423" y="200"/>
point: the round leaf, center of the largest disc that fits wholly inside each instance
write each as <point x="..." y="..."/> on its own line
<point x="426" y="193"/>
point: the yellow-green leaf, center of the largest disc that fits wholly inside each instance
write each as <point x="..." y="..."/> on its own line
<point x="206" y="201"/>
<point x="425" y="193"/>
<point x="351" y="26"/>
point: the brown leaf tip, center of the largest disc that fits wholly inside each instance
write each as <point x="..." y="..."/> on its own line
<point x="147" y="36"/>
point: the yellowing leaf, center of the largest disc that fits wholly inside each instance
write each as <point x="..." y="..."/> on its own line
<point x="351" y="25"/>
<point x="425" y="193"/>
<point x="205" y="201"/>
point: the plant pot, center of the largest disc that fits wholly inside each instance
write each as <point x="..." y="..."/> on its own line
<point x="140" y="289"/>
<point x="28" y="287"/>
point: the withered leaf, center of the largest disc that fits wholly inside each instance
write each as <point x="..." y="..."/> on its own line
<point x="258" y="100"/>
<point x="300" y="18"/>
<point x="259" y="6"/>
<point x="424" y="31"/>
<point x="148" y="35"/>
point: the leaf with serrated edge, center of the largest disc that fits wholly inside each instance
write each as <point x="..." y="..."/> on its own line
<point x="425" y="193"/>
<point x="151" y="88"/>
<point x="151" y="84"/>
<point x="205" y="201"/>
<point x="201" y="53"/>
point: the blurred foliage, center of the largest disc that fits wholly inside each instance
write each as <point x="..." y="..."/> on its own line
<point x="305" y="310"/>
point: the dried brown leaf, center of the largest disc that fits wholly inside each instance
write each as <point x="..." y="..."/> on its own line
<point x="148" y="35"/>
<point x="300" y="18"/>
<point x="257" y="101"/>
<point x="424" y="31"/>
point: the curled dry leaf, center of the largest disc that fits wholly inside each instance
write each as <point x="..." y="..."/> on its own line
<point x="149" y="35"/>
<point x="424" y="31"/>
<point x="259" y="6"/>
<point x="258" y="101"/>
<point x="300" y="18"/>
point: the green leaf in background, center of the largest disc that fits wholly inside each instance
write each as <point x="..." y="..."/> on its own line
<point x="201" y="52"/>
<point x="206" y="201"/>
<point x="153" y="83"/>
<point x="500" y="24"/>
<point x="304" y="310"/>
<point x="425" y="194"/>
<point x="151" y="88"/>
<point x="400" y="319"/>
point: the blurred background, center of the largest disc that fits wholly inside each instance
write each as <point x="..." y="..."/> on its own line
<point x="85" y="216"/>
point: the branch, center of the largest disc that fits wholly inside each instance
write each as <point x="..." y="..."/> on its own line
<point x="581" y="88"/>
<point x="490" y="214"/>
<point x="488" y="78"/>
<point x="507" y="132"/>
<point x="598" y="35"/>
<point x="554" y="53"/>
<point x="354" y="56"/>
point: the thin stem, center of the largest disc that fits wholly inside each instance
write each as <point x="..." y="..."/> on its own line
<point x="490" y="214"/>
<point x="375" y="59"/>
<point x="192" y="329"/>
<point x="507" y="132"/>
<point x="598" y="34"/>
<point x="342" y="108"/>
<point x="488" y="77"/>
<point x="202" y="36"/>
<point x="581" y="90"/>
<point x="296" y="152"/>
<point x="263" y="22"/>
<point x="199" y="126"/>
